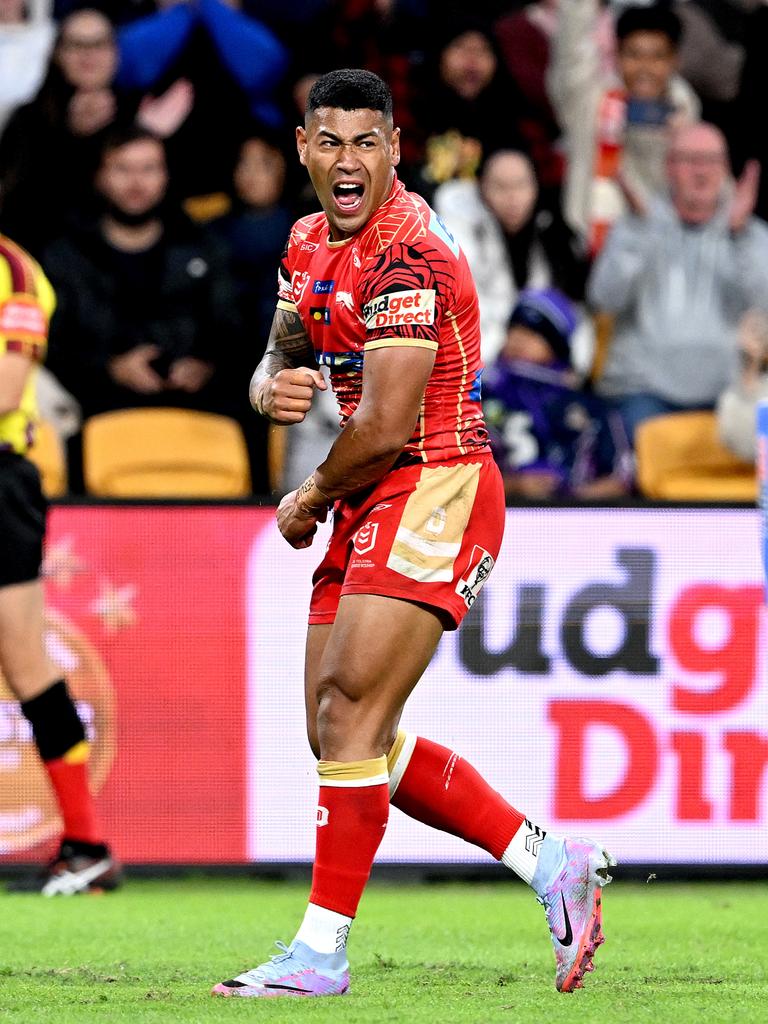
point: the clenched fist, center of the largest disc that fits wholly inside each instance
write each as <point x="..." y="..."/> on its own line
<point x="287" y="397"/>
<point x="300" y="511"/>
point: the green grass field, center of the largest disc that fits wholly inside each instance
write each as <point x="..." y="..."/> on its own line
<point x="441" y="954"/>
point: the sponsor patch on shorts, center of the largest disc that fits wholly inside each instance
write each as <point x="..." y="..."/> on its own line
<point x="474" y="576"/>
<point x="398" y="309"/>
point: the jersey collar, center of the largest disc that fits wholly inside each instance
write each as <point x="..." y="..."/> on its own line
<point x="394" y="193"/>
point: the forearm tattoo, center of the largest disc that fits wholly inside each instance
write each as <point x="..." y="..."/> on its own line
<point x="288" y="347"/>
<point x="288" y="344"/>
<point x="311" y="495"/>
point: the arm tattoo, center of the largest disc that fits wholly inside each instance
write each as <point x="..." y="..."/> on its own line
<point x="288" y="347"/>
<point x="288" y="344"/>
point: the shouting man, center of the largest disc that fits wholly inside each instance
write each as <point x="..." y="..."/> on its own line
<point x="376" y="289"/>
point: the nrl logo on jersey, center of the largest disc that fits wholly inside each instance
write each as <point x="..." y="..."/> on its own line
<point x="396" y="309"/>
<point x="299" y="282"/>
<point x="365" y="538"/>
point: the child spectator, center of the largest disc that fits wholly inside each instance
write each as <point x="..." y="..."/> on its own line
<point x="616" y="127"/>
<point x="550" y="438"/>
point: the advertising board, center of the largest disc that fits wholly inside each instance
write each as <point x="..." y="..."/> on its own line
<point x="610" y="681"/>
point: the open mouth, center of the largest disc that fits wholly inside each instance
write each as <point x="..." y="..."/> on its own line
<point x="348" y="196"/>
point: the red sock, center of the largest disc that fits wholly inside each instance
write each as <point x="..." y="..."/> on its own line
<point x="61" y="742"/>
<point x="444" y="791"/>
<point x="73" y="794"/>
<point x="351" y="819"/>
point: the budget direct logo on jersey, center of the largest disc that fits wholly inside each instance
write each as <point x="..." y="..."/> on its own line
<point x="397" y="309"/>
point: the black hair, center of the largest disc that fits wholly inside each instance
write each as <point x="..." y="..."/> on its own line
<point x="657" y="18"/>
<point x="124" y="135"/>
<point x="350" y="89"/>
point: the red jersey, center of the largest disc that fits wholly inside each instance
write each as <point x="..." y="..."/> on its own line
<point x="400" y="281"/>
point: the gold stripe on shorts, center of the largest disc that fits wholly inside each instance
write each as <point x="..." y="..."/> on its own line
<point x="432" y="526"/>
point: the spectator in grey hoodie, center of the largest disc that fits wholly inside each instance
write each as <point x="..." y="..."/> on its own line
<point x="679" y="274"/>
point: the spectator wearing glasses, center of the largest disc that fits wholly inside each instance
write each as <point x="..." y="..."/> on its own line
<point x="679" y="277"/>
<point x="49" y="147"/>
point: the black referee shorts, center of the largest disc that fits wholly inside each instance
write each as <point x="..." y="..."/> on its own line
<point x="23" y="508"/>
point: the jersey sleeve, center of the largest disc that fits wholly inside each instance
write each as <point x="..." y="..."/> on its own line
<point x="26" y="304"/>
<point x="406" y="292"/>
<point x="285" y="277"/>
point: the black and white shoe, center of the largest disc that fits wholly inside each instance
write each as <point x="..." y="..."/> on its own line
<point x="76" y="868"/>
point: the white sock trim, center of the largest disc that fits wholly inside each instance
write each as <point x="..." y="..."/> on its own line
<point x="402" y="762"/>
<point x="374" y="780"/>
<point x="521" y="856"/>
<point x="323" y="930"/>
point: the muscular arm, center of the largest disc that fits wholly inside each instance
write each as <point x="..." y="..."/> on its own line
<point x="283" y="382"/>
<point x="14" y="370"/>
<point x="394" y="380"/>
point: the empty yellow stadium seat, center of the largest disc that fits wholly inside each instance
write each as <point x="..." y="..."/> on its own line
<point x="48" y="454"/>
<point x="680" y="458"/>
<point x="164" y="453"/>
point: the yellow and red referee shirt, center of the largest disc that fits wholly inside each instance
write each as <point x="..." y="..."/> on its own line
<point x="27" y="302"/>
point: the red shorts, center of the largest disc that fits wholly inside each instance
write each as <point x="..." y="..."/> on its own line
<point x="429" y="534"/>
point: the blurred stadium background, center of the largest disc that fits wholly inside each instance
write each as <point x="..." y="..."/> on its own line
<point x="612" y="678"/>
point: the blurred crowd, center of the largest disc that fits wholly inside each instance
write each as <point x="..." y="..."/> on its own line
<point x="598" y="162"/>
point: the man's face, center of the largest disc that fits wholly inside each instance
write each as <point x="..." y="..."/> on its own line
<point x="697" y="169"/>
<point x="647" y="61"/>
<point x="134" y="177"/>
<point x="350" y="155"/>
